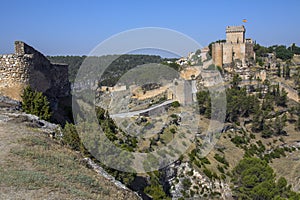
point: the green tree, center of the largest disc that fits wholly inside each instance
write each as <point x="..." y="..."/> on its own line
<point x="278" y="70"/>
<point x="255" y="179"/>
<point x="35" y="103"/>
<point x="204" y="102"/>
<point x="250" y="175"/>
<point x="260" y="61"/>
<point x="27" y="100"/>
<point x="155" y="189"/>
<point x="175" y="104"/>
<point x="266" y="131"/>
<point x="288" y="72"/>
<point x="282" y="99"/>
<point x="279" y="124"/>
<point x="283" y="53"/>
<point x="294" y="49"/>
<point x="71" y="138"/>
<point x="236" y="81"/>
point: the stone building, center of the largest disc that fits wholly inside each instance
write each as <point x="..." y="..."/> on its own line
<point x="26" y="67"/>
<point x="236" y="47"/>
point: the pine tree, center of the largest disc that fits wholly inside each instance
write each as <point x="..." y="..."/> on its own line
<point x="27" y="99"/>
<point x="279" y="124"/>
<point x="36" y="103"/>
<point x="287" y="72"/>
<point x="278" y="70"/>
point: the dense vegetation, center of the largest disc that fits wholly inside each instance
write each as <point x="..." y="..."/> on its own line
<point x="255" y="179"/>
<point x="263" y="106"/>
<point x="36" y="103"/>
<point x="129" y="143"/>
<point x="259" y="106"/>
<point x="280" y="51"/>
<point x="119" y="66"/>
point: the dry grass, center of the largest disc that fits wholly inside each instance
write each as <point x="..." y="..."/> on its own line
<point x="289" y="167"/>
<point x="34" y="166"/>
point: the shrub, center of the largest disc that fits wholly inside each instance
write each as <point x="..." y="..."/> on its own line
<point x="221" y="159"/>
<point x="238" y="140"/>
<point x="204" y="161"/>
<point x="208" y="173"/>
<point x="175" y="104"/>
<point x="35" y="103"/>
<point x="71" y="137"/>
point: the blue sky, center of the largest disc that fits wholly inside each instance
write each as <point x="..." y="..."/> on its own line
<point x="71" y="27"/>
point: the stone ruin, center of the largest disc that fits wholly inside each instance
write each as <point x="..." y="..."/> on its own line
<point x="28" y="67"/>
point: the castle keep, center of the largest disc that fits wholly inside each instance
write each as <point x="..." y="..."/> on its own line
<point x="27" y="66"/>
<point x="235" y="48"/>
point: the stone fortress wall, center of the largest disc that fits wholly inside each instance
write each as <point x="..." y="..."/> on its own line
<point x="236" y="47"/>
<point x="27" y="66"/>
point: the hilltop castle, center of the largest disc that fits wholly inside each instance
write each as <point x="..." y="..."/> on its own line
<point x="235" y="48"/>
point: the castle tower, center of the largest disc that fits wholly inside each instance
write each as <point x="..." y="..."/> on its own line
<point x="235" y="34"/>
<point x="217" y="54"/>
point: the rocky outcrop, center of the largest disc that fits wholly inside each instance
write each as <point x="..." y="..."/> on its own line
<point x="185" y="181"/>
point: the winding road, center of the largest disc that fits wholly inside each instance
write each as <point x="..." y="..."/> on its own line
<point x="134" y="113"/>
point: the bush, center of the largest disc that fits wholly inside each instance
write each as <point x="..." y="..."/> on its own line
<point x="238" y="140"/>
<point x="221" y="159"/>
<point x="175" y="104"/>
<point x="255" y="179"/>
<point x="71" y="137"/>
<point x="35" y="103"/>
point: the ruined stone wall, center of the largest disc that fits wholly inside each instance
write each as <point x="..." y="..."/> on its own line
<point x="14" y="69"/>
<point x="14" y="74"/>
<point x="29" y="67"/>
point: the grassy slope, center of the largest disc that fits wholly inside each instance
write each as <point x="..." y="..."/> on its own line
<point x="33" y="166"/>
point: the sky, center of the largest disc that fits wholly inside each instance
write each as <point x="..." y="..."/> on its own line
<point x="73" y="27"/>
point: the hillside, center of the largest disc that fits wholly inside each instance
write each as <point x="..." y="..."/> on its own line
<point x="35" y="166"/>
<point x="119" y="65"/>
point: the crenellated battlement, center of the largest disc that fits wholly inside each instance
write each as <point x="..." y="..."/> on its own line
<point x="234" y="29"/>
